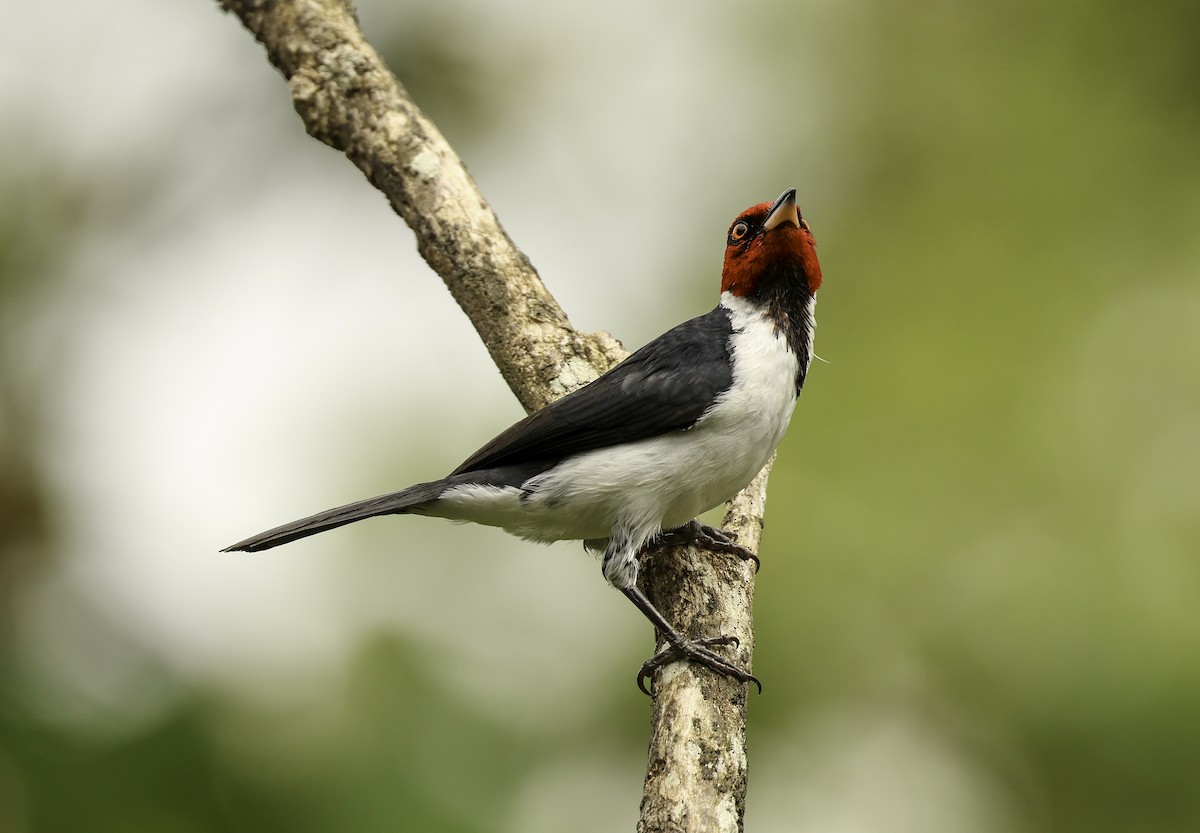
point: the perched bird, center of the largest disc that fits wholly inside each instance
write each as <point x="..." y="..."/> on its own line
<point x="630" y="459"/>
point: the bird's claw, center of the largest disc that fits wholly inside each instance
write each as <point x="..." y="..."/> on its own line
<point x="700" y="652"/>
<point x="718" y="540"/>
<point x="709" y="537"/>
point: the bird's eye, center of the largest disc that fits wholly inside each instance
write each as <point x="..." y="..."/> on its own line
<point x="739" y="231"/>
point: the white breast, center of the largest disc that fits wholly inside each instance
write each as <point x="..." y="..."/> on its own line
<point x="748" y="421"/>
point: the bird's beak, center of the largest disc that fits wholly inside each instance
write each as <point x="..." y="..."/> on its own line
<point x="783" y="211"/>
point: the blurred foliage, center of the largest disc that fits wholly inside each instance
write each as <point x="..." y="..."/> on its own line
<point x="986" y="514"/>
<point x="35" y="212"/>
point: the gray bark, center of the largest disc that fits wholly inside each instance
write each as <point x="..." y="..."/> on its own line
<point x="348" y="99"/>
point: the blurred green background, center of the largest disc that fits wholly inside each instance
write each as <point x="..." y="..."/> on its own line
<point x="978" y="608"/>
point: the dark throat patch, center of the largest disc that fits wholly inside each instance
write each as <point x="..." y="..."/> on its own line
<point x="783" y="291"/>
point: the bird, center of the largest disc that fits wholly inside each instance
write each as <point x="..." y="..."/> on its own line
<point x="627" y="462"/>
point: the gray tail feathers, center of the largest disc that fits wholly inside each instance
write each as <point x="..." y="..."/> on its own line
<point x="396" y="503"/>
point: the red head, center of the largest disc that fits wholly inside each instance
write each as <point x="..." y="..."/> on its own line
<point x="764" y="238"/>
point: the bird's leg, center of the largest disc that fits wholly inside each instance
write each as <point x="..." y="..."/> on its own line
<point x="680" y="647"/>
<point x="708" y="537"/>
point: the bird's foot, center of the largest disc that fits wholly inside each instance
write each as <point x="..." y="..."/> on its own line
<point x="700" y="652"/>
<point x="679" y="647"/>
<point x="708" y="537"/>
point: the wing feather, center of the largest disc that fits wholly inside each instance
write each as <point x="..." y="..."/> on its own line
<point x="665" y="386"/>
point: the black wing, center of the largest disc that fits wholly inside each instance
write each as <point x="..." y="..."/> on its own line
<point x="665" y="386"/>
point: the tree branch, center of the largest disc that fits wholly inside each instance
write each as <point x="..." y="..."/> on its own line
<point x="696" y="776"/>
<point x="348" y="99"/>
